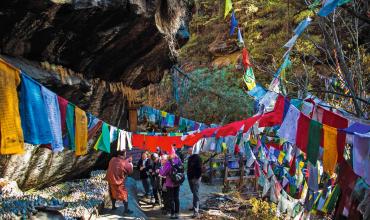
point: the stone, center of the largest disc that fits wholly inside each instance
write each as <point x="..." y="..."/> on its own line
<point x="93" y="53"/>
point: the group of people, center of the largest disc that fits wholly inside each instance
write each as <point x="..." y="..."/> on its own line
<point x="161" y="174"/>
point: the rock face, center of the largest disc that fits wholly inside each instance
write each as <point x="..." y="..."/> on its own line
<point x="98" y="50"/>
<point x="115" y="40"/>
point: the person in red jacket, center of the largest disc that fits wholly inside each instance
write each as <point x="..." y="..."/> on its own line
<point x="118" y="170"/>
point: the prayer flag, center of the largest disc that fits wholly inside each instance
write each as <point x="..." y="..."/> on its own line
<point x="328" y="7"/>
<point x="314" y="138"/>
<point x="228" y="7"/>
<point x="281" y="157"/>
<point x="233" y="23"/>
<point x="240" y="36"/>
<point x="53" y="112"/>
<point x="249" y="79"/>
<point x="302" y="132"/>
<point x="361" y="156"/>
<point x="11" y="135"/>
<point x="70" y="115"/>
<point x="246" y="61"/>
<point x="288" y="129"/>
<point x="81" y="132"/>
<point x="103" y="142"/>
<point x="34" y="120"/>
<point x="330" y="155"/>
<point x="302" y="26"/>
<point x="336" y="121"/>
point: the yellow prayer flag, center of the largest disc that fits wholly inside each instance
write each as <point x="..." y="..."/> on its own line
<point x="228" y="7"/>
<point x="163" y="114"/>
<point x="11" y="139"/>
<point x="97" y="142"/>
<point x="224" y="147"/>
<point x="330" y="155"/>
<point x="281" y="157"/>
<point x="304" y="191"/>
<point x="81" y="131"/>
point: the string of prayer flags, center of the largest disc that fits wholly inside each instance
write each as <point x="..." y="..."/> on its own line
<point x="228" y="7"/>
<point x="233" y="23"/>
<point x="34" y="120"/>
<point x="11" y="134"/>
<point x="81" y="132"/>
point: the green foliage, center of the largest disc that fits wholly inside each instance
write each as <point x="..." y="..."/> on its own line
<point x="215" y="94"/>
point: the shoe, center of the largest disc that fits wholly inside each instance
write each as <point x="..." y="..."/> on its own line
<point x="128" y="212"/>
<point x="195" y="215"/>
<point x="175" y="216"/>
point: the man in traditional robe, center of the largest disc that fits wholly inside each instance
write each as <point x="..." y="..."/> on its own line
<point x="118" y="170"/>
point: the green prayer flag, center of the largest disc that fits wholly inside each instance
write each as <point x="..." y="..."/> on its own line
<point x="103" y="142"/>
<point x="228" y="7"/>
<point x="342" y="2"/>
<point x="314" y="139"/>
<point x="70" y="115"/>
<point x="332" y="200"/>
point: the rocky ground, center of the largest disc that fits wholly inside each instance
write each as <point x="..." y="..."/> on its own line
<point x="89" y="199"/>
<point x="73" y="199"/>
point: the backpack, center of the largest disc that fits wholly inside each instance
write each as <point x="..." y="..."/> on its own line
<point x="177" y="173"/>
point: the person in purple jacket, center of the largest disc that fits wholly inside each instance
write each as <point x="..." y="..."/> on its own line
<point x="172" y="188"/>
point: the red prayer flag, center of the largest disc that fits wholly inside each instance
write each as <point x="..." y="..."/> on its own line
<point x="63" y="108"/>
<point x="256" y="169"/>
<point x="191" y="139"/>
<point x="246" y="61"/>
<point x="292" y="166"/>
<point x="248" y="123"/>
<point x="230" y="129"/>
<point x="138" y="140"/>
<point x="276" y="116"/>
<point x="302" y="132"/>
<point x="209" y="132"/>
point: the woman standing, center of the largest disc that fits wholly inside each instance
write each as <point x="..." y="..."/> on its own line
<point x="144" y="165"/>
<point x="173" y="188"/>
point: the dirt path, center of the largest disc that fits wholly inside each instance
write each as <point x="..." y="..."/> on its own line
<point x="147" y="211"/>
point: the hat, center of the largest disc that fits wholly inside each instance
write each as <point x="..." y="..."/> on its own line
<point x="155" y="155"/>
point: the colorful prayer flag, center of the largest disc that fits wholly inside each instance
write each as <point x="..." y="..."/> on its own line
<point x="233" y="23"/>
<point x="228" y="7"/>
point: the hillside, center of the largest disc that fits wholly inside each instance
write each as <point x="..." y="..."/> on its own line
<point x="266" y="26"/>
